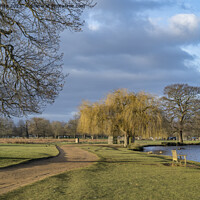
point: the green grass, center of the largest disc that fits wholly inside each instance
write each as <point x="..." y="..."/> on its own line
<point x="12" y="154"/>
<point x="159" y="142"/>
<point x="120" y="174"/>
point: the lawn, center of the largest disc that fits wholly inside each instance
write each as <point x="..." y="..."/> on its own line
<point x="159" y="142"/>
<point x="119" y="174"/>
<point x="12" y="154"/>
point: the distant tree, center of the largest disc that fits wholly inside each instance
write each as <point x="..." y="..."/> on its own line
<point x="71" y="126"/>
<point x="57" y="129"/>
<point x="196" y="125"/>
<point x="181" y="104"/>
<point x="6" y="127"/>
<point x="86" y="117"/>
<point x="40" y="127"/>
<point x="30" y="65"/>
<point x="21" y="128"/>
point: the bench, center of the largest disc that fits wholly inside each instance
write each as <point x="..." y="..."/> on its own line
<point x="177" y="158"/>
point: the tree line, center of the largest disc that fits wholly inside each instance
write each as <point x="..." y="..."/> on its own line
<point x="122" y="113"/>
<point x="38" y="127"/>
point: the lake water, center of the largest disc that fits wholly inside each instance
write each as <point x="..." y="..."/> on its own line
<point x="192" y="151"/>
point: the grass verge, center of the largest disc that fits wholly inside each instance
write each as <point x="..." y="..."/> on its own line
<point x="119" y="174"/>
<point x="12" y="154"/>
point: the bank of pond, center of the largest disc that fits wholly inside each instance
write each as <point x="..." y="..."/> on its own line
<point x="192" y="151"/>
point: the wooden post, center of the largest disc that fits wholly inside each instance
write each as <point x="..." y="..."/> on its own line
<point x="27" y="134"/>
<point x="76" y="140"/>
<point x="110" y="139"/>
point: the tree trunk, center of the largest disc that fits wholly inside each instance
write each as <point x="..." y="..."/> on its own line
<point x="131" y="139"/>
<point x="126" y="140"/>
<point x="181" y="131"/>
<point x="181" y="136"/>
<point x="27" y="134"/>
<point x="110" y="139"/>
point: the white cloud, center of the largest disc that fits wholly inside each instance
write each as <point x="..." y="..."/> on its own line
<point x="93" y="25"/>
<point x="155" y="21"/>
<point x="182" y="24"/>
<point x="182" y="29"/>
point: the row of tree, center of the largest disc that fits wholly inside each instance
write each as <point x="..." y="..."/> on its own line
<point x="38" y="127"/>
<point x="129" y="114"/>
<point x="123" y="113"/>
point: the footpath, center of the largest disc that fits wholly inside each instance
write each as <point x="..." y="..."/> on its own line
<point x="69" y="158"/>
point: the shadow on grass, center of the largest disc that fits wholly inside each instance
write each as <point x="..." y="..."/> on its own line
<point x="12" y="158"/>
<point x="28" y="162"/>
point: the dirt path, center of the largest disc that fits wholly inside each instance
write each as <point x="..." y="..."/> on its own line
<point x="70" y="157"/>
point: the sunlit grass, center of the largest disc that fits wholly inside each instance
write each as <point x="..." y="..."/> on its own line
<point x="11" y="154"/>
<point x="159" y="142"/>
<point x="120" y="174"/>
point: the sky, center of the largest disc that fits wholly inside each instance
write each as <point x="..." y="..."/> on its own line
<point x="141" y="45"/>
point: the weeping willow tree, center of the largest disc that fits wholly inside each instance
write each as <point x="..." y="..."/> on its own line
<point x="122" y="113"/>
<point x="84" y="123"/>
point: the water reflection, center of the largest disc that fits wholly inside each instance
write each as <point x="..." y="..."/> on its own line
<point x="192" y="151"/>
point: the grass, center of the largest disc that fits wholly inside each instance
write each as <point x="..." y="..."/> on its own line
<point x="119" y="174"/>
<point x="159" y="142"/>
<point x="12" y="154"/>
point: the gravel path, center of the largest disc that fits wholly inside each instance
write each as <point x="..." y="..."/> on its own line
<point x="70" y="158"/>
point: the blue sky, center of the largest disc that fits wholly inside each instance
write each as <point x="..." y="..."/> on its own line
<point x="135" y="44"/>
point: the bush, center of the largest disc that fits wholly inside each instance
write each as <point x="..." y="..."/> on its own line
<point x="172" y="143"/>
<point x="135" y="147"/>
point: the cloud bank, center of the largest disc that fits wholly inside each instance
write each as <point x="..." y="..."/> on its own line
<point x="139" y="45"/>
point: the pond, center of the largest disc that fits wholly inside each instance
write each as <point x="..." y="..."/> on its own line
<point x="192" y="151"/>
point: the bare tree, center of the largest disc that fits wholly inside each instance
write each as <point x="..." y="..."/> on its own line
<point x="21" y="128"/>
<point x="57" y="129"/>
<point x="6" y="127"/>
<point x="40" y="127"/>
<point x="30" y="65"/>
<point x="71" y="126"/>
<point x="181" y="103"/>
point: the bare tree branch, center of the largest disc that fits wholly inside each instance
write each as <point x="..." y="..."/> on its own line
<point x="30" y="66"/>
